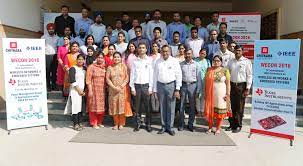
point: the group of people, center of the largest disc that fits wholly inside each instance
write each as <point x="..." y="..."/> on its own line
<point x="142" y="68"/>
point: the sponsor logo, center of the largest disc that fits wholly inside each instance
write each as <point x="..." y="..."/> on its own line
<point x="13" y="47"/>
<point x="264" y="53"/>
<point x="259" y="91"/>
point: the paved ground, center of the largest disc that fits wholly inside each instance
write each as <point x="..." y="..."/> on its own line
<point x="38" y="147"/>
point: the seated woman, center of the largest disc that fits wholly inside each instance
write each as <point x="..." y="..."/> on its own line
<point x="217" y="94"/>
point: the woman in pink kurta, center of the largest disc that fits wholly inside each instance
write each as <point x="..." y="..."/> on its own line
<point x="62" y="61"/>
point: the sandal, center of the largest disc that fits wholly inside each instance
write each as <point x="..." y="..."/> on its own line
<point x="101" y="125"/>
<point x="115" y="128"/>
<point x="96" y="127"/>
<point x="217" y="132"/>
<point x="121" y="127"/>
<point x="208" y="131"/>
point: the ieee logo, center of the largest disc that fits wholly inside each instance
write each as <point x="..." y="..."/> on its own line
<point x="13" y="45"/>
<point x="264" y="50"/>
<point x="33" y="48"/>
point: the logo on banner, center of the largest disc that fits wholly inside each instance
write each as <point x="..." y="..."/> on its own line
<point x="13" y="47"/>
<point x="34" y="48"/>
<point x="259" y="91"/>
<point x="223" y="20"/>
<point x="264" y="53"/>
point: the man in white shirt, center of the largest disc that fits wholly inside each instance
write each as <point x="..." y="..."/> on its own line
<point x="119" y="29"/>
<point x="141" y="83"/>
<point x="224" y="52"/>
<point x="131" y="32"/>
<point x="240" y="80"/>
<point x="144" y="24"/>
<point x="194" y="42"/>
<point x="156" y="22"/>
<point x="214" y="25"/>
<point x="51" y="41"/>
<point x="167" y="83"/>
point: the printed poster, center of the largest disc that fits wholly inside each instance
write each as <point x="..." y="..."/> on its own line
<point x="274" y="95"/>
<point x="244" y="29"/>
<point x="25" y="82"/>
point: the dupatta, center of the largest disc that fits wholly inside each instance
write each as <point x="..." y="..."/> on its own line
<point x="209" y="95"/>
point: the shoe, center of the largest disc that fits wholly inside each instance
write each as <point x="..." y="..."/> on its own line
<point x="217" y="132"/>
<point x="180" y="128"/>
<point x="96" y="127"/>
<point x="171" y="132"/>
<point x="77" y="127"/>
<point x="115" y="127"/>
<point x="237" y="130"/>
<point x="190" y="128"/>
<point x="208" y="131"/>
<point x="149" y="129"/>
<point x="161" y="131"/>
<point x="101" y="125"/>
<point x="136" y="128"/>
<point x="229" y="128"/>
<point x="121" y="127"/>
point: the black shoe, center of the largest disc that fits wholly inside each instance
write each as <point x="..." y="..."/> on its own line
<point x="237" y="130"/>
<point x="161" y="131"/>
<point x="171" y="132"/>
<point x="190" y="128"/>
<point x="149" y="129"/>
<point x="228" y="128"/>
<point x="136" y="128"/>
<point x="180" y="128"/>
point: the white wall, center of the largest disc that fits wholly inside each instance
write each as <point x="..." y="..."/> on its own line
<point x="291" y="11"/>
<point x="23" y="14"/>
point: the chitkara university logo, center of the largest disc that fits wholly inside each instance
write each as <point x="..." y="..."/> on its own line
<point x="13" y="45"/>
<point x="259" y="91"/>
<point x="264" y="50"/>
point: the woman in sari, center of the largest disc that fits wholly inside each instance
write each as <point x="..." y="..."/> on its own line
<point x="217" y="94"/>
<point x="119" y="98"/>
<point x="62" y="61"/>
<point x="74" y="102"/>
<point x="95" y="80"/>
<point x="121" y="45"/>
<point x="91" y="56"/>
<point x="130" y="55"/>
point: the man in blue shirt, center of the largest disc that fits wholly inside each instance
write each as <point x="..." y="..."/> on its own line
<point x="109" y="32"/>
<point x="140" y="39"/>
<point x="176" y="26"/>
<point x="68" y="32"/>
<point x="83" y="22"/>
<point x="223" y="32"/>
<point x="81" y="38"/>
<point x="202" y="32"/>
<point x="212" y="46"/>
<point x="119" y="29"/>
<point x="97" y="29"/>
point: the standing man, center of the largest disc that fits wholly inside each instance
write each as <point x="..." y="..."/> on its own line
<point x="175" y="44"/>
<point x="231" y="46"/>
<point x="109" y="32"/>
<point x="51" y="40"/>
<point x="119" y="29"/>
<point x="156" y="22"/>
<point x="223" y="32"/>
<point x="241" y="79"/>
<point x="195" y="43"/>
<point x="131" y="32"/>
<point x="176" y="26"/>
<point x="189" y="87"/>
<point x="212" y="46"/>
<point x="97" y="29"/>
<point x="68" y="32"/>
<point x="141" y="83"/>
<point x="188" y="25"/>
<point x="167" y="83"/>
<point x="224" y="52"/>
<point x="158" y="37"/>
<point x="81" y="38"/>
<point x="147" y="18"/>
<point x="64" y="20"/>
<point x="202" y="32"/>
<point x="83" y="22"/>
<point x="140" y="39"/>
<point x="126" y="23"/>
<point x="214" y="25"/>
